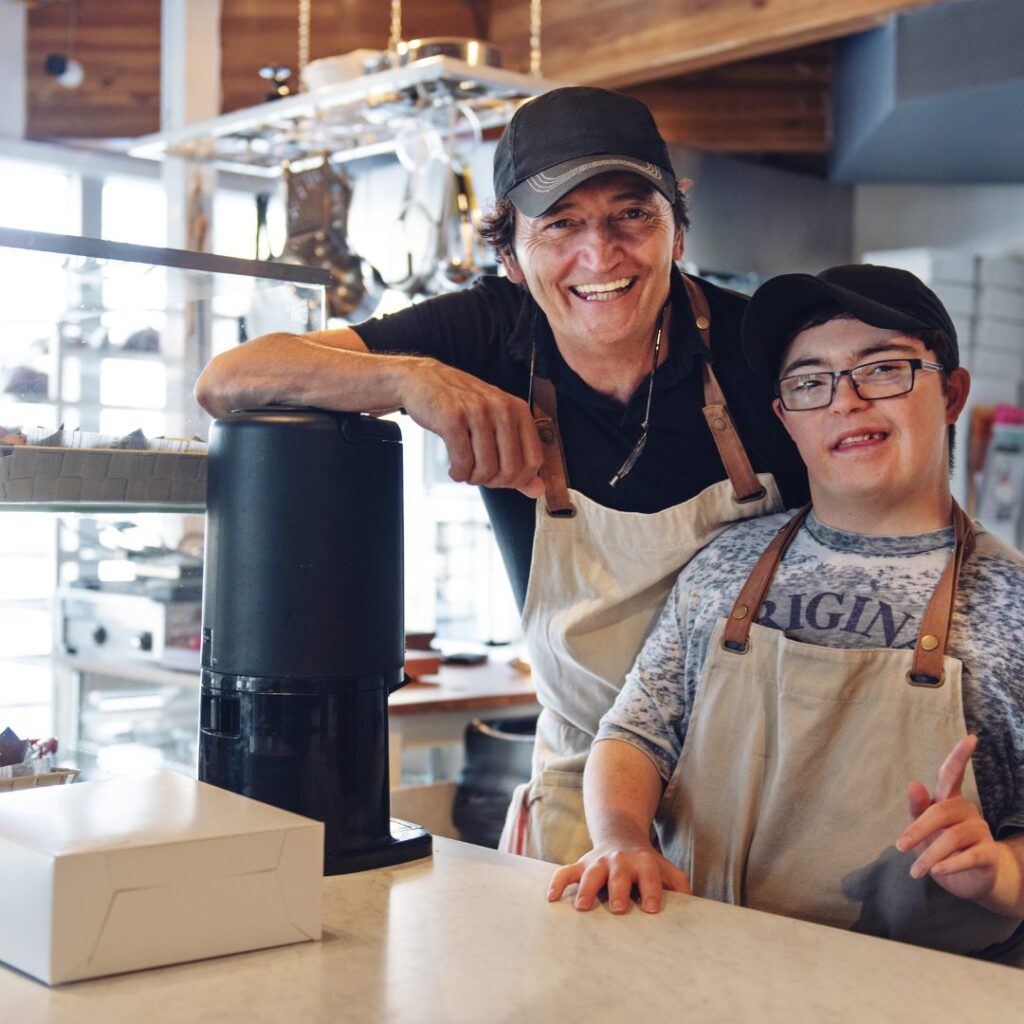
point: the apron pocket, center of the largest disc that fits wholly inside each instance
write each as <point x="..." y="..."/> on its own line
<point x="557" y="829"/>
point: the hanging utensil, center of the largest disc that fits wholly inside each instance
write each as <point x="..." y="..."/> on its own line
<point x="411" y="242"/>
<point x="318" y="206"/>
<point x="456" y="255"/>
<point x="460" y="256"/>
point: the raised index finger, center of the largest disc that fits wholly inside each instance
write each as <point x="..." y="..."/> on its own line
<point x="951" y="774"/>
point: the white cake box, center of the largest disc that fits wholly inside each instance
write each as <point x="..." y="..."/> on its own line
<point x="1001" y="271"/>
<point x="931" y="265"/>
<point x="134" y="872"/>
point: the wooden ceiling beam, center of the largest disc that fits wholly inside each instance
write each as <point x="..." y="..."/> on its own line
<point x="619" y="43"/>
<point x="774" y="104"/>
<point x="118" y="45"/>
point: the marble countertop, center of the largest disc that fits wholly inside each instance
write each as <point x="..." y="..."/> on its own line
<point x="467" y="937"/>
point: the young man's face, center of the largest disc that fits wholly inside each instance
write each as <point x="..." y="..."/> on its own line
<point x="598" y="262"/>
<point x="865" y="456"/>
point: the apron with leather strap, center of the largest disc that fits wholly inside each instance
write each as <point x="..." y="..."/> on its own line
<point x="599" y="577"/>
<point x="790" y="790"/>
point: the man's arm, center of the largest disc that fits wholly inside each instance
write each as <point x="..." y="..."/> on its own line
<point x="955" y="845"/>
<point x="490" y="435"/>
<point x="621" y="790"/>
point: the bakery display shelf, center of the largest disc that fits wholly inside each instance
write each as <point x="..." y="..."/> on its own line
<point x="57" y="479"/>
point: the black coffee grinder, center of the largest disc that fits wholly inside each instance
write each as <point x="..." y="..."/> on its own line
<point x="303" y="626"/>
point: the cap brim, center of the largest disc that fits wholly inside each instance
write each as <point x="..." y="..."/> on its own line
<point x="780" y="305"/>
<point x="541" y="191"/>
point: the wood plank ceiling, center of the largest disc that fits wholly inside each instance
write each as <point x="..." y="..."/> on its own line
<point x="743" y="76"/>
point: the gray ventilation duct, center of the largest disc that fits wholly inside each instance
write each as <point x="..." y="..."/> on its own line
<point x="936" y="95"/>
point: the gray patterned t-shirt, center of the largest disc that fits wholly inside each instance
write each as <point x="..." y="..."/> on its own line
<point x="839" y="589"/>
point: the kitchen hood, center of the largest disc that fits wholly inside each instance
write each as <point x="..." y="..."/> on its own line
<point x="934" y="96"/>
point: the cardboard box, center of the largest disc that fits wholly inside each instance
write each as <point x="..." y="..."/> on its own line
<point x="999" y="335"/>
<point x="992" y="363"/>
<point x="135" y="872"/>
<point x="959" y="299"/>
<point x="1001" y="272"/>
<point x="930" y="265"/>
<point x="1002" y="303"/>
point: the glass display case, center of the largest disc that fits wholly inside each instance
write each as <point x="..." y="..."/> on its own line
<point x="102" y="471"/>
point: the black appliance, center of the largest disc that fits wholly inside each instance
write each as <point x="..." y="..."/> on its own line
<point x="303" y="630"/>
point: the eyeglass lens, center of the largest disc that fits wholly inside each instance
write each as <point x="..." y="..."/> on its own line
<point x="884" y="379"/>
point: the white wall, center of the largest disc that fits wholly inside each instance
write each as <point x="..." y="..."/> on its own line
<point x="985" y="219"/>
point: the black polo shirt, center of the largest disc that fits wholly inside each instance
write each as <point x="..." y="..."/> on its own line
<point x="488" y="330"/>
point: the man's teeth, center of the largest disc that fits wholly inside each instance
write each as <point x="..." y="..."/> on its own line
<point x="861" y="438"/>
<point x="599" y="292"/>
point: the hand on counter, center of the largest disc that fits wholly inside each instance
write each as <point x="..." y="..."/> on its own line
<point x="954" y="844"/>
<point x="621" y="790"/>
<point x="620" y="867"/>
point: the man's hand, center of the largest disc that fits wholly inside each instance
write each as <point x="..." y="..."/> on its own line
<point x="619" y="867"/>
<point x="490" y="434"/>
<point x="952" y="840"/>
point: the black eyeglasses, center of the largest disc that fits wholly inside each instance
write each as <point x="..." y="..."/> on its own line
<point x="886" y="378"/>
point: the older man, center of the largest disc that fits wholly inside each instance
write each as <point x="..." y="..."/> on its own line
<point x="584" y="377"/>
<point x="807" y="668"/>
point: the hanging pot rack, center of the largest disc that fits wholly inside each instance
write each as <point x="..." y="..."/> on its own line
<point x="347" y="120"/>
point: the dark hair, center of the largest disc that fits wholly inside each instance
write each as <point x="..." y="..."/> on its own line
<point x="498" y="225"/>
<point x="938" y="341"/>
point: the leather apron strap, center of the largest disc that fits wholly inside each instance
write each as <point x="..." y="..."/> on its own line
<point x="552" y="471"/>
<point x="930" y="649"/>
<point x="727" y="440"/>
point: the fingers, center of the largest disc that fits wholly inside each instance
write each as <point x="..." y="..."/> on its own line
<point x="492" y="441"/>
<point x="675" y="879"/>
<point x="972" y="859"/>
<point x="563" y="878"/>
<point x="956" y="839"/>
<point x="649" y="883"/>
<point x="594" y="879"/>
<point x="951" y="774"/>
<point x="918" y="799"/>
<point x="620" y="888"/>
<point x="533" y="488"/>
<point x="656" y="877"/>
<point x="936" y="821"/>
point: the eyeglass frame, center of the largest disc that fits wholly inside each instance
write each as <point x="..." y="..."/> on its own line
<point x="916" y="364"/>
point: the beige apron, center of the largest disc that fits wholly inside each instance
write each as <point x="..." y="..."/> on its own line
<point x="599" y="578"/>
<point x="790" y="790"/>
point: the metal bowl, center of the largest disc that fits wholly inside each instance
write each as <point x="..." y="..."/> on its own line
<point x="475" y="52"/>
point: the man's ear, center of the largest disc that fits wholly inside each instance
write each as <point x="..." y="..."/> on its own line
<point x="512" y="269"/>
<point x="958" y="387"/>
<point x="781" y="413"/>
<point x="678" y="245"/>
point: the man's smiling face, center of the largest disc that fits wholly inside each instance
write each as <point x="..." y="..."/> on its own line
<point x="598" y="261"/>
<point x="865" y="455"/>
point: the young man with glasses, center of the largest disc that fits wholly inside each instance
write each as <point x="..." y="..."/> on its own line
<point x="809" y="671"/>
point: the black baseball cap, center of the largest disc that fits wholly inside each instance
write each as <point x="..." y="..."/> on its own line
<point x="559" y="139"/>
<point x="880" y="296"/>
